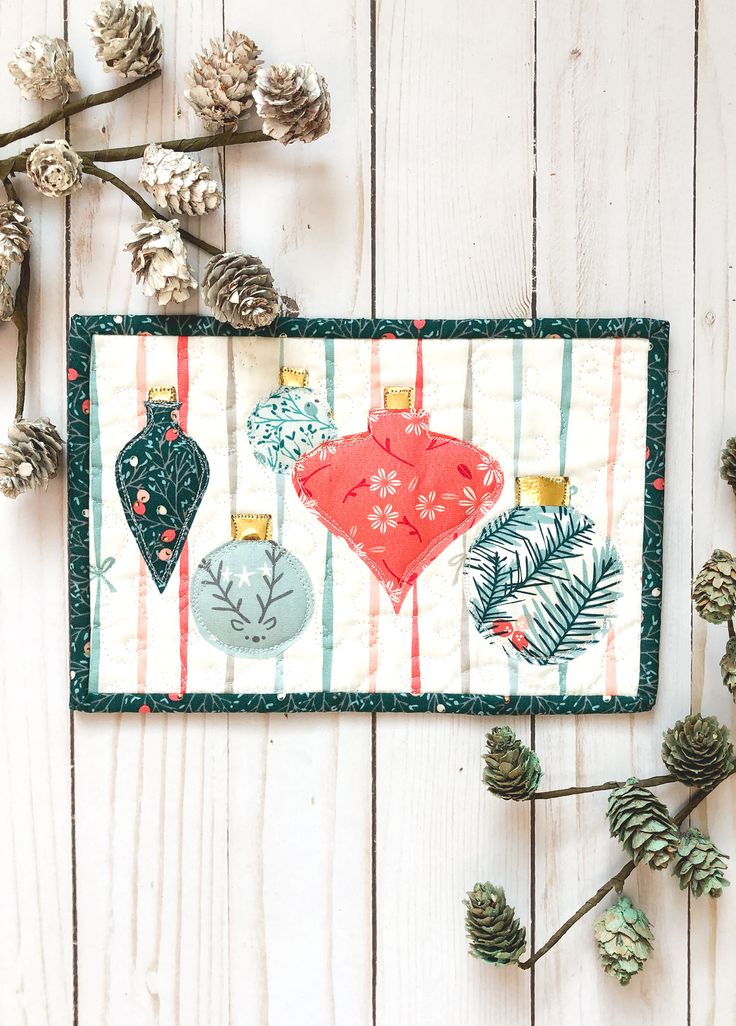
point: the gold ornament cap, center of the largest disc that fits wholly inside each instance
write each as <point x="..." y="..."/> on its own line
<point x="296" y="377"/>
<point x="162" y="394"/>
<point x="542" y="491"/>
<point x="398" y="397"/>
<point x="251" y="526"/>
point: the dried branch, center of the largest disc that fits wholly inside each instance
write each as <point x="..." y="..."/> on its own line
<point x="20" y="320"/>
<point x="193" y="145"/>
<point x="564" y="792"/>
<point x="68" y="110"/>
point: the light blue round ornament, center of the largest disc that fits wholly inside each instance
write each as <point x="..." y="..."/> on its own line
<point x="289" y="422"/>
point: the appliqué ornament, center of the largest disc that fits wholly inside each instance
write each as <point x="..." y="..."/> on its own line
<point x="251" y="597"/>
<point x="161" y="475"/>
<point x="540" y="580"/>
<point x="289" y="422"/>
<point x="399" y="493"/>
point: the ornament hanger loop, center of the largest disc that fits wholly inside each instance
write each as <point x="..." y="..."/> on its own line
<point x="398" y="397"/>
<point x="251" y="526"/>
<point x="542" y="491"/>
<point x="162" y="394"/>
<point x="297" y="377"/>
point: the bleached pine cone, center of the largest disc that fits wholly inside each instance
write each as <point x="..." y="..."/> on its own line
<point x="222" y="80"/>
<point x="30" y="458"/>
<point x="15" y="232"/>
<point x="160" y="261"/>
<point x="43" y="68"/>
<point x="7" y="301"/>
<point x="127" y="37"/>
<point x="54" y="168"/>
<point x="239" y="290"/>
<point x="293" y="101"/>
<point x="177" y="183"/>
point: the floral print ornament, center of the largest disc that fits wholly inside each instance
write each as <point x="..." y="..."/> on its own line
<point x="289" y="422"/>
<point x="539" y="579"/>
<point x="399" y="493"/>
<point x="250" y="597"/>
<point x="161" y="476"/>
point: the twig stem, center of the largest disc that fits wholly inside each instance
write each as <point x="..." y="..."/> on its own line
<point x="20" y="320"/>
<point x="563" y="792"/>
<point x="146" y="208"/>
<point x="193" y="145"/>
<point x="68" y="110"/>
<point x="731" y="631"/>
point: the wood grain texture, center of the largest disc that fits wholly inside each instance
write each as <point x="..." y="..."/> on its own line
<point x="224" y="866"/>
<point x="614" y="218"/>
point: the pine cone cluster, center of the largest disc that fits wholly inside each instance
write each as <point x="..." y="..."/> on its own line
<point x="31" y="457"/>
<point x="54" y="168"/>
<point x="512" y="771"/>
<point x="492" y="926"/>
<point x="728" y="462"/>
<point x="43" y="69"/>
<point x="728" y="666"/>
<point x="127" y="37"/>
<point x="222" y="80"/>
<point x="239" y="290"/>
<point x="625" y="940"/>
<point x="698" y="751"/>
<point x="177" y="183"/>
<point x="15" y="233"/>
<point x="293" y="101"/>
<point x="641" y="822"/>
<point x="700" y="865"/>
<point x="714" y="588"/>
<point x="160" y="262"/>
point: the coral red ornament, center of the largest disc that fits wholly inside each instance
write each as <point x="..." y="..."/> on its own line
<point x="399" y="493"/>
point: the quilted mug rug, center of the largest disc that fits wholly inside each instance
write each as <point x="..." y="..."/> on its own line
<point x="444" y="516"/>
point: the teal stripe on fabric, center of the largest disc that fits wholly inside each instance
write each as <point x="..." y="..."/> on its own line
<point x="328" y="593"/>
<point x="563" y="678"/>
<point x="517" y="357"/>
<point x="96" y="513"/>
<point x="280" y="481"/>
<point x="565" y="398"/>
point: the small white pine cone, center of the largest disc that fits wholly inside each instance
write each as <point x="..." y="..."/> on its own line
<point x="55" y="168"/>
<point x="293" y="101"/>
<point x="127" y="37"/>
<point x="15" y="232"/>
<point x="7" y="301"/>
<point x="177" y="183"/>
<point x="222" y="80"/>
<point x="30" y="458"/>
<point x="43" y="68"/>
<point x="160" y="261"/>
<point x="239" y="290"/>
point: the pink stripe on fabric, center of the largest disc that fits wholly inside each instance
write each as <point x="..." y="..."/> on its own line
<point x="182" y="391"/>
<point x="613" y="432"/>
<point x="416" y="670"/>
<point x="142" y="626"/>
<point x="374" y="591"/>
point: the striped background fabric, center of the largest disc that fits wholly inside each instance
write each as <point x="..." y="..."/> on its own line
<point x="539" y="406"/>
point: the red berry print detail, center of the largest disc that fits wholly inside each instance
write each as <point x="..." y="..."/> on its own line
<point x="139" y="508"/>
<point x="419" y="323"/>
<point x="171" y="435"/>
<point x="519" y="640"/>
<point x="168" y="535"/>
<point x="86" y="406"/>
<point x="72" y="374"/>
<point x="175" y="696"/>
<point x="503" y="628"/>
<point x="144" y="708"/>
<point x="165" y="555"/>
<point x="646" y="454"/>
<point x="142" y="495"/>
<point x="658" y="483"/>
<point x="388" y="334"/>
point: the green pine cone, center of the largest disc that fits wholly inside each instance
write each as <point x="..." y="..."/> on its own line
<point x="698" y="751"/>
<point x="492" y="926"/>
<point x="642" y="824"/>
<point x="714" y="588"/>
<point x="625" y="940"/>
<point x="700" y="865"/>
<point x="512" y="771"/>
<point x="728" y="667"/>
<point x="728" y="462"/>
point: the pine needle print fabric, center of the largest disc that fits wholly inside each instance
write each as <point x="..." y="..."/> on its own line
<point x="529" y="396"/>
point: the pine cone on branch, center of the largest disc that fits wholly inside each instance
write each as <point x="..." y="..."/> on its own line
<point x="31" y="457"/>
<point x="625" y="940"/>
<point x="55" y="168"/>
<point x="293" y="101"/>
<point x="43" y="69"/>
<point x="492" y="926"/>
<point x="728" y="667"/>
<point x="714" y="588"/>
<point x="222" y="80"/>
<point x="641" y="822"/>
<point x="512" y="771"/>
<point x="15" y="232"/>
<point x="177" y="183"/>
<point x="700" y="865"/>
<point x="239" y="290"/>
<point x="728" y="462"/>
<point x="698" y="751"/>
<point x="160" y="261"/>
<point x="127" y="37"/>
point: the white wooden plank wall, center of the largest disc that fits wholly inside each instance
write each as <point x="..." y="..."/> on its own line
<point x="260" y="871"/>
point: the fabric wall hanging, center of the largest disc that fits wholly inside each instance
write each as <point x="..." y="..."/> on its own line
<point x="471" y="599"/>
